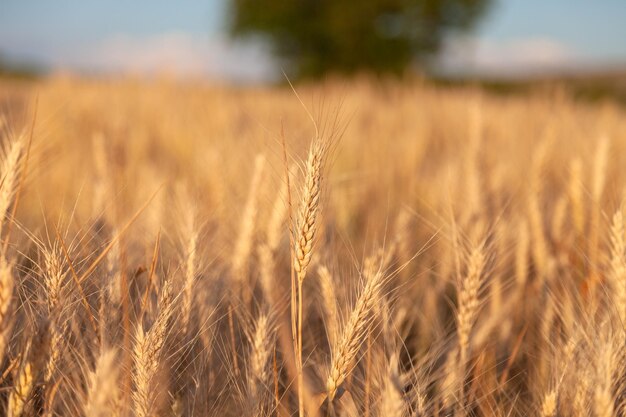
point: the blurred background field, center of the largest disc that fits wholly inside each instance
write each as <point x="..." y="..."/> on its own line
<point x="445" y="179"/>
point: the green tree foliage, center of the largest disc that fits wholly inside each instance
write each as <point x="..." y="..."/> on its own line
<point x="315" y="37"/>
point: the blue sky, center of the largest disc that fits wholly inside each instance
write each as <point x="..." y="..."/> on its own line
<point x="188" y="36"/>
<point x="593" y="28"/>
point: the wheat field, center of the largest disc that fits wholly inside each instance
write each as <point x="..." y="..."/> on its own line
<point x="350" y="248"/>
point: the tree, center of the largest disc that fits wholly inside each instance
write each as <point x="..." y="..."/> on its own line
<point x="315" y="37"/>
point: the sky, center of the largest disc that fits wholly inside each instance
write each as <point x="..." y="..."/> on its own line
<point x="187" y="37"/>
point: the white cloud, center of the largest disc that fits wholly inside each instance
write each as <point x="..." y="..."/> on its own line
<point x="508" y="58"/>
<point x="177" y="53"/>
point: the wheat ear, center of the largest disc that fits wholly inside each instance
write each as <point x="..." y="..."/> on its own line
<point x="190" y="266"/>
<point x="393" y="401"/>
<point x="617" y="275"/>
<point x="241" y="252"/>
<point x="147" y="356"/>
<point x="9" y="173"/>
<point x="549" y="404"/>
<point x="259" y="371"/>
<point x="267" y="250"/>
<point x="345" y="352"/>
<point x="575" y="191"/>
<point x="6" y="294"/>
<point x="307" y="219"/>
<point x="597" y="190"/>
<point x="303" y="241"/>
<point x="469" y="301"/>
<point x="329" y="300"/>
<point x="19" y="396"/>
<point x="102" y="394"/>
<point x="606" y="364"/>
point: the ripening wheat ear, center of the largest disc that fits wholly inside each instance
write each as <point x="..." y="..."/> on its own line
<point x="393" y="401"/>
<point x="101" y="175"/>
<point x="469" y="301"/>
<point x="580" y="405"/>
<point x="329" y="300"/>
<point x="267" y="250"/>
<point x="275" y="225"/>
<point x="617" y="274"/>
<point x="345" y="353"/>
<point x="9" y="175"/>
<point x="22" y="389"/>
<point x="242" y="250"/>
<point x="6" y="294"/>
<point x="576" y="191"/>
<point x="468" y="306"/>
<point x="262" y="345"/>
<point x="609" y="365"/>
<point x="303" y="239"/>
<point x="540" y="252"/>
<point x="54" y="275"/>
<point x="521" y="255"/>
<point x="147" y="356"/>
<point x="306" y="225"/>
<point x="102" y="394"/>
<point x="549" y="404"/>
<point x="190" y="263"/>
<point x="597" y="190"/>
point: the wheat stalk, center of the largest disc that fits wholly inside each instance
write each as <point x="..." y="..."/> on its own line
<point x="469" y="301"/>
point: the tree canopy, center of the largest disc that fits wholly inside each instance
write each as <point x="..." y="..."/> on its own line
<point x="315" y="37"/>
